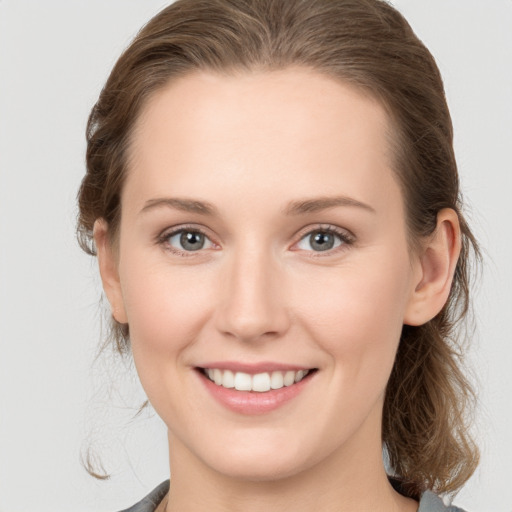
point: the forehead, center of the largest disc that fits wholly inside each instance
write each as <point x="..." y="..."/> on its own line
<point x="293" y="130"/>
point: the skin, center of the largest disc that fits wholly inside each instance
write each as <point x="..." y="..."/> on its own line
<point x="252" y="145"/>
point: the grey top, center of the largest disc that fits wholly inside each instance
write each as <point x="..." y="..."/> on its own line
<point x="429" y="502"/>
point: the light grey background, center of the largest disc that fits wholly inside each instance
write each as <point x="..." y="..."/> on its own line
<point x="54" y="58"/>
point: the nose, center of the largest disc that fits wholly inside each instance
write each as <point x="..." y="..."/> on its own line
<point x="252" y="304"/>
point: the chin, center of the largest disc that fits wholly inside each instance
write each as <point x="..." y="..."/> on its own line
<point x="260" y="460"/>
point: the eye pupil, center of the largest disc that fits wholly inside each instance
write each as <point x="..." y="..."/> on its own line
<point x="321" y="241"/>
<point x="191" y="240"/>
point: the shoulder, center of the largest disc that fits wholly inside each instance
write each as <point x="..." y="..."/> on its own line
<point x="430" y="502"/>
<point x="152" y="500"/>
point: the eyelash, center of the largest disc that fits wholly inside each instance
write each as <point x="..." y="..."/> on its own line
<point x="346" y="238"/>
<point x="163" y="240"/>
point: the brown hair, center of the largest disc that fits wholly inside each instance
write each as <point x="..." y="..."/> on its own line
<point x="366" y="43"/>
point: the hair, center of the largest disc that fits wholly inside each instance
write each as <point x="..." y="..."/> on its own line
<point x="368" y="44"/>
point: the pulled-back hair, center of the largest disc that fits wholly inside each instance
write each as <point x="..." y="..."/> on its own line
<point x="368" y="44"/>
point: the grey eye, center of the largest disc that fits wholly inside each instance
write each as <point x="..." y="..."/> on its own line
<point x="320" y="240"/>
<point x="189" y="241"/>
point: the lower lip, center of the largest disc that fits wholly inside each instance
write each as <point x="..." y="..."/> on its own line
<point x="253" y="402"/>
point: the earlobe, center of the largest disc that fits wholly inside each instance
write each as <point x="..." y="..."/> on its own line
<point x="437" y="263"/>
<point x="109" y="270"/>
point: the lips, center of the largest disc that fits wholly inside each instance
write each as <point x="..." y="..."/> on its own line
<point x="254" y="389"/>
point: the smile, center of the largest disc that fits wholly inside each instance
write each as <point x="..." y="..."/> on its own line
<point x="260" y="382"/>
<point x="254" y="389"/>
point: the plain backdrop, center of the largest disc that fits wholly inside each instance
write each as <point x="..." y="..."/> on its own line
<point x="54" y="402"/>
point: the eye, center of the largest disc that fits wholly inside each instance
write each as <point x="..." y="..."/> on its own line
<point x="321" y="240"/>
<point x="187" y="240"/>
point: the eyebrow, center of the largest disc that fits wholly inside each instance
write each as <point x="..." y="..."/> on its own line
<point x="185" y="205"/>
<point x="299" y="207"/>
<point x="323" y="203"/>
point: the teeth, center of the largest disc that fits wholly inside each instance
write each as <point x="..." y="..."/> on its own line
<point x="228" y="379"/>
<point x="289" y="378"/>
<point x="261" y="382"/>
<point x="243" y="381"/>
<point x="217" y="377"/>
<point x="300" y="375"/>
<point x="276" y="380"/>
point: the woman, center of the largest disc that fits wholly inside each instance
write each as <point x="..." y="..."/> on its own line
<point x="273" y="198"/>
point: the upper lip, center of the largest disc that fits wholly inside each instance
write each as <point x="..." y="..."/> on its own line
<point x="253" y="368"/>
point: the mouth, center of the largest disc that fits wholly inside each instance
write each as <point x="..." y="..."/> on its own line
<point x="263" y="382"/>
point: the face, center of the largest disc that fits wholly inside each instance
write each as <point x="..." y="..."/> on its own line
<point x="263" y="245"/>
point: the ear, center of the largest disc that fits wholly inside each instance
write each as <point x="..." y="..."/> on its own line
<point x="107" y="262"/>
<point x="436" y="267"/>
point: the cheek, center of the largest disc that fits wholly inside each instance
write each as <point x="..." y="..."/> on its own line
<point x="166" y="311"/>
<point x="166" y="307"/>
<point x="356" y="314"/>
